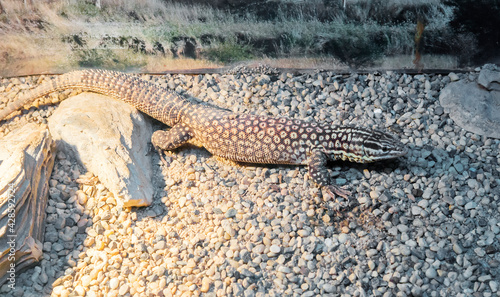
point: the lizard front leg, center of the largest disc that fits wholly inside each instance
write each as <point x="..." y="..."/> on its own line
<point x="320" y="175"/>
<point x="167" y="140"/>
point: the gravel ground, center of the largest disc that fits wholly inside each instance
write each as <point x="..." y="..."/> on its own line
<point x="425" y="225"/>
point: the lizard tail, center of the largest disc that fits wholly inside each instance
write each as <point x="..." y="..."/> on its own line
<point x="72" y="79"/>
<point x="158" y="102"/>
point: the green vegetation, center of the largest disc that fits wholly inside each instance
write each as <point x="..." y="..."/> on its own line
<point x="135" y="33"/>
<point x="228" y="53"/>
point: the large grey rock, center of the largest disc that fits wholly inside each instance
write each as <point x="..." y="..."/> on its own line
<point x="472" y="107"/>
<point x="490" y="79"/>
<point x="26" y="163"/>
<point x="110" y="139"/>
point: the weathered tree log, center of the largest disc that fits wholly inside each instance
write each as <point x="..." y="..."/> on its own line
<point x="26" y="163"/>
<point x="110" y="139"/>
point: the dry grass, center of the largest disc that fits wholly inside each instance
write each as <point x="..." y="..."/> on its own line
<point x="21" y="53"/>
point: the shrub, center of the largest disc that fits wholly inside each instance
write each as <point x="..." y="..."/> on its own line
<point x="482" y="19"/>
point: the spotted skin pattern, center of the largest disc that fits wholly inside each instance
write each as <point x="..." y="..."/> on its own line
<point x="238" y="137"/>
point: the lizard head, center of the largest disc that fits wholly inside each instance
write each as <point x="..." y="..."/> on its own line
<point x="378" y="145"/>
<point x="364" y="145"/>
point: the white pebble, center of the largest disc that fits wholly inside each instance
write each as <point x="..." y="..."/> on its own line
<point x="113" y="283"/>
<point x="275" y="249"/>
<point x="494" y="286"/>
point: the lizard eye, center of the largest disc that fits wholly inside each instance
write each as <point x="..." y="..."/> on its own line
<point x="384" y="149"/>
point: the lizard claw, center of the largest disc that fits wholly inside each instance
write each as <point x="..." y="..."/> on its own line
<point x="162" y="158"/>
<point x="340" y="191"/>
<point x="163" y="154"/>
<point x="342" y="201"/>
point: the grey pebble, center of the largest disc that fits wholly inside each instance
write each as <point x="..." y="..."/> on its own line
<point x="231" y="213"/>
<point x="493" y="286"/>
<point x="431" y="272"/>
